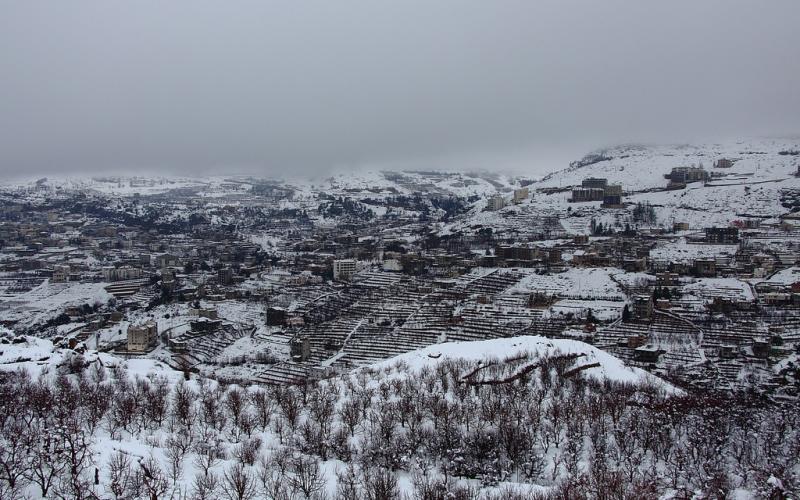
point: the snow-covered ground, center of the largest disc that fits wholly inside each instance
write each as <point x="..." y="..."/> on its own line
<point x="39" y="357"/>
<point x="682" y="251"/>
<point x="534" y="347"/>
<point x="50" y="299"/>
<point x="575" y="282"/>
<point x="708" y="289"/>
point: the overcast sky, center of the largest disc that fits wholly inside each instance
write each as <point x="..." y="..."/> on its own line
<point x="295" y="86"/>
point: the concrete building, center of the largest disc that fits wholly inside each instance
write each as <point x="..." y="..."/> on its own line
<point x="276" y="316"/>
<point x="520" y="195"/>
<point x="587" y="194"/>
<point x="594" y="182"/>
<point x="723" y="163"/>
<point x="300" y="348"/>
<point x="225" y="276"/>
<point x="209" y="313"/>
<point x="496" y="203"/>
<point x="706" y="268"/>
<point x="612" y="196"/>
<point x="722" y="235"/>
<point x="167" y="260"/>
<point x="344" y="269"/>
<point x="60" y="274"/>
<point x="685" y="175"/>
<point x="142" y="337"/>
<point x="643" y="307"/>
<point x="121" y="273"/>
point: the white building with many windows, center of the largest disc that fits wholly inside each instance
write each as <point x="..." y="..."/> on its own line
<point x="344" y="269"/>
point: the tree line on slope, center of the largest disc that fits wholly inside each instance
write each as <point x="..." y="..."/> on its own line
<point x="459" y="430"/>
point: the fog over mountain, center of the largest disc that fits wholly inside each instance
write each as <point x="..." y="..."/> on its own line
<point x="278" y="87"/>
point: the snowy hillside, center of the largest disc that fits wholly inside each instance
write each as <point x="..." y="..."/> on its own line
<point x="601" y="365"/>
<point x="639" y="167"/>
<point x="156" y="434"/>
<point x="762" y="172"/>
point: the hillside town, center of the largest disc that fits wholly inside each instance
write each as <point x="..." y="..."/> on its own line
<point x="417" y="250"/>
<point x="248" y="280"/>
<point x="609" y="330"/>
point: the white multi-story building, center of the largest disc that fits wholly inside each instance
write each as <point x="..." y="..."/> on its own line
<point x="496" y="202"/>
<point x="344" y="269"/>
<point x="121" y="273"/>
<point x="142" y="337"/>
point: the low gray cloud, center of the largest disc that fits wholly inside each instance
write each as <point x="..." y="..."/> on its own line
<point x="277" y="87"/>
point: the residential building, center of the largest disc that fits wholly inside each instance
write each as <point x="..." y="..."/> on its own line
<point x="121" y="273"/>
<point x="520" y="195"/>
<point x="643" y="307"/>
<point x="344" y="269"/>
<point x="587" y="194"/>
<point x="300" y="348"/>
<point x="612" y="196"/>
<point x="60" y="274"/>
<point x="142" y="337"/>
<point x="685" y="175"/>
<point x="594" y="182"/>
<point x="723" y="163"/>
<point x="225" y="276"/>
<point x="496" y="202"/>
<point x="722" y="235"/>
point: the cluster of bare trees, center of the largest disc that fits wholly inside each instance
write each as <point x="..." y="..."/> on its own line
<point x="521" y="420"/>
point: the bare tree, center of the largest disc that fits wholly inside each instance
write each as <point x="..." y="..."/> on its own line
<point x="350" y="414"/>
<point x="181" y="407"/>
<point x="205" y="487"/>
<point x="177" y="446"/>
<point x="209" y="452"/>
<point x="247" y="451"/>
<point x="121" y="480"/>
<point x="14" y="442"/>
<point x="271" y="473"/>
<point x="378" y="483"/>
<point x="264" y="407"/>
<point x="290" y="404"/>
<point x="305" y="477"/>
<point x="154" y="482"/>
<point x="235" y="402"/>
<point x="238" y="483"/>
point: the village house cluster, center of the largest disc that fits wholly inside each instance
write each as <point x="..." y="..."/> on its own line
<point x="260" y="283"/>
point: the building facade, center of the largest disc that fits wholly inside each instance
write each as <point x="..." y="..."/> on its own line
<point x="344" y="269"/>
<point x="142" y="337"/>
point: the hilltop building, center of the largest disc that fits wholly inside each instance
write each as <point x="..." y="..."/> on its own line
<point x="594" y="182"/>
<point x="679" y="177"/>
<point x="723" y="163"/>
